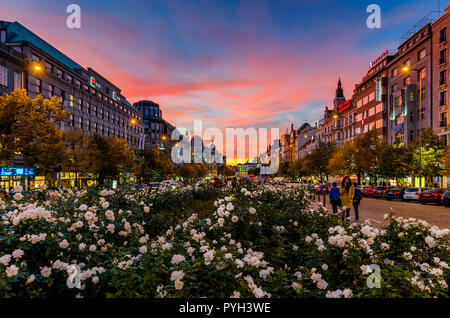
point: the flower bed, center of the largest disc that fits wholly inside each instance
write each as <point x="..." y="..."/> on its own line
<point x="262" y="241"/>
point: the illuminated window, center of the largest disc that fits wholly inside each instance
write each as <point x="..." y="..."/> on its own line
<point x="3" y="76"/>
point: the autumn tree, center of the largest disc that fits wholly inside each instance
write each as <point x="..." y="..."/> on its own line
<point x="342" y="162"/>
<point x="316" y="163"/>
<point x="109" y="157"/>
<point x="153" y="165"/>
<point x="29" y="129"/>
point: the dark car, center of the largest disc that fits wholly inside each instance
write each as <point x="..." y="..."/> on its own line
<point x="323" y="189"/>
<point x="379" y="192"/>
<point x="446" y="198"/>
<point x="431" y="196"/>
<point x="367" y="191"/>
<point x="394" y="193"/>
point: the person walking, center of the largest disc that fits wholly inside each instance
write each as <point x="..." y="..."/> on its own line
<point x="357" y="200"/>
<point x="334" y="197"/>
<point x="347" y="192"/>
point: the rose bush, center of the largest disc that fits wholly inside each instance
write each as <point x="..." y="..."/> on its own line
<point x="259" y="241"/>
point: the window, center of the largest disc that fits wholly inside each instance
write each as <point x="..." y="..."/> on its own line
<point x="394" y="72"/>
<point x="3" y="76"/>
<point x="35" y="58"/>
<point x="443" y="56"/>
<point x="407" y="81"/>
<point x="422" y="93"/>
<point x="78" y="84"/>
<point x="69" y="78"/>
<point x="443" y="119"/>
<point x="407" y="63"/>
<point x="59" y="73"/>
<point x="48" y="67"/>
<point x="443" y="35"/>
<point x="420" y="54"/>
<point x="17" y="80"/>
<point x="443" y="98"/>
<point x="88" y="107"/>
<point x="71" y="100"/>
<point x="411" y="116"/>
<point x="423" y="73"/>
<point x="443" y="77"/>
<point x="51" y="90"/>
<point x="394" y="88"/>
<point x="38" y="85"/>
<point x="86" y="88"/>
<point x="80" y="103"/>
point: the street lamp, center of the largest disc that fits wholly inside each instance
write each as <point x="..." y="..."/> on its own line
<point x="132" y="121"/>
<point x="419" y="72"/>
<point x="35" y="67"/>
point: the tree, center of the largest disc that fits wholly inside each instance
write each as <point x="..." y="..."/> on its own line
<point x="316" y="163"/>
<point x="342" y="162"/>
<point x="226" y="170"/>
<point x="109" y="157"/>
<point x="153" y="165"/>
<point x="427" y="160"/>
<point x="368" y="148"/>
<point x="394" y="162"/>
<point x="29" y="127"/>
<point x="77" y="153"/>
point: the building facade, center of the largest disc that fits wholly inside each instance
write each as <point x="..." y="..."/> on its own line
<point x="440" y="75"/>
<point x="370" y="98"/>
<point x="156" y="129"/>
<point x="409" y="91"/>
<point x="96" y="104"/>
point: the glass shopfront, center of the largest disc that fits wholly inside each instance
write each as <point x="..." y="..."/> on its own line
<point x="12" y="176"/>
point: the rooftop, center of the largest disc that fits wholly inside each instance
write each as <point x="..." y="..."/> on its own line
<point x="17" y="33"/>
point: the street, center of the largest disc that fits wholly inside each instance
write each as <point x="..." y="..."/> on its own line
<point x="374" y="210"/>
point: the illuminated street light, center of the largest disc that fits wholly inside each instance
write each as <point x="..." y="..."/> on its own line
<point x="335" y="116"/>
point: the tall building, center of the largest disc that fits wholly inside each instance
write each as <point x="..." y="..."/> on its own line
<point x="156" y="129"/>
<point x="96" y="104"/>
<point x="440" y="75"/>
<point x="410" y="110"/>
<point x="370" y="98"/>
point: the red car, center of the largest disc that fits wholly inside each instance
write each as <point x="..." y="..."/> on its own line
<point x="379" y="192"/>
<point x="431" y="196"/>
<point x="367" y="191"/>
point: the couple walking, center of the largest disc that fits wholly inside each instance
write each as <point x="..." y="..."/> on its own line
<point x="347" y="196"/>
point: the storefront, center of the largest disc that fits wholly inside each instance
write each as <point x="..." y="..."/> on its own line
<point x="12" y="176"/>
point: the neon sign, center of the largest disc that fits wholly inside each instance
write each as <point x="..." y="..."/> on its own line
<point x="345" y="105"/>
<point x="93" y="82"/>
<point x="115" y="96"/>
<point x="368" y="119"/>
<point x="16" y="171"/>
<point x="378" y="60"/>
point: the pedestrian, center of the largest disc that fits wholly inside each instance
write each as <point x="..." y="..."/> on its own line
<point x="347" y="192"/>
<point x="334" y="197"/>
<point x="357" y="200"/>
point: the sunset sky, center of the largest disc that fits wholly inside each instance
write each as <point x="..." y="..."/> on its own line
<point x="231" y="63"/>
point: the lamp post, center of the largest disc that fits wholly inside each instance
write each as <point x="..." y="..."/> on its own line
<point x="419" y="72"/>
<point x="132" y="121"/>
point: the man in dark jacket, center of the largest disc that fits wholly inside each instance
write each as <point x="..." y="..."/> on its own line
<point x="334" y="197"/>
<point x="357" y="200"/>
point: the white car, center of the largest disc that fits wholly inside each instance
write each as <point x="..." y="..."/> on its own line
<point x="413" y="193"/>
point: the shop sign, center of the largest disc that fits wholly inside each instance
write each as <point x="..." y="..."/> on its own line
<point x="16" y="171"/>
<point x="93" y="82"/>
<point x="368" y="119"/>
<point x="378" y="90"/>
<point x="345" y="105"/>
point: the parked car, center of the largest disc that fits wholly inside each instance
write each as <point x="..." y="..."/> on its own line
<point x="394" y="193"/>
<point x="323" y="189"/>
<point x="431" y="196"/>
<point x="379" y="192"/>
<point x="413" y="193"/>
<point x="367" y="191"/>
<point x="153" y="185"/>
<point x="446" y="198"/>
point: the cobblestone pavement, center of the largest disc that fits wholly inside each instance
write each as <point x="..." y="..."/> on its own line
<point x="374" y="210"/>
